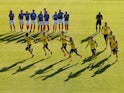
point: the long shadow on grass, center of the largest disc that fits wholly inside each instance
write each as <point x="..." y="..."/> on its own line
<point x="101" y="70"/>
<point x="90" y="57"/>
<point x="76" y="74"/>
<point x="87" y="38"/>
<point x="9" y="37"/>
<point x="13" y="65"/>
<point x="58" y="71"/>
<point x="48" y="68"/>
<point x="20" y="69"/>
<point x="100" y="63"/>
<point x="4" y="34"/>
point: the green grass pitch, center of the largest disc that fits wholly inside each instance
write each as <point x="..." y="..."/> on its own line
<point x="55" y="74"/>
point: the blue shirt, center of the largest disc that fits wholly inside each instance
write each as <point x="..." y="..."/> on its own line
<point x="27" y="16"/>
<point x="40" y="17"/>
<point x="66" y="17"/>
<point x="55" y="17"/>
<point x="20" y="16"/>
<point x="46" y="17"/>
<point x="33" y="16"/>
<point x="60" y="15"/>
<point x="11" y="16"/>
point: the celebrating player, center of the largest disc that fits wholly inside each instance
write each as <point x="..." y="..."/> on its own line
<point x="11" y="17"/>
<point x="29" y="44"/>
<point x="93" y="45"/>
<point x="105" y="31"/>
<point x="20" y="17"/>
<point x="99" y="18"/>
<point x="33" y="19"/>
<point x="114" y="46"/>
<point x="40" y="21"/>
<point x="46" y="21"/>
<point x="55" y="22"/>
<point x="64" y="43"/>
<point x="45" y="40"/>
<point x="73" y="48"/>
<point x="60" y="20"/>
<point x="66" y="20"/>
<point x="27" y="15"/>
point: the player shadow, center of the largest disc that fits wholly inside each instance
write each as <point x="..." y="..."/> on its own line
<point x="55" y="35"/>
<point x="90" y="58"/>
<point x="46" y="69"/>
<point x="87" y="38"/>
<point x="100" y="63"/>
<point x="101" y="70"/>
<point x="4" y="34"/>
<point x="10" y="37"/>
<point x="13" y="65"/>
<point x="58" y="71"/>
<point x="20" y="69"/>
<point x="75" y="74"/>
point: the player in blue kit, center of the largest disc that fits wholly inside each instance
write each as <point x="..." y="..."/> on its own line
<point x="40" y="21"/>
<point x="66" y="20"/>
<point x="60" y="20"/>
<point x="33" y="19"/>
<point x="27" y="16"/>
<point x="46" y="21"/>
<point x="11" y="20"/>
<point x="20" y="17"/>
<point x="55" y="17"/>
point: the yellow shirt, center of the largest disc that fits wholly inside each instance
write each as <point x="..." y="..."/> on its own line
<point x="110" y="37"/>
<point x="28" y="40"/>
<point x="72" y="45"/>
<point x="92" y="44"/>
<point x="44" y="39"/>
<point x="114" y="44"/>
<point x="105" y="30"/>
<point x="62" y="38"/>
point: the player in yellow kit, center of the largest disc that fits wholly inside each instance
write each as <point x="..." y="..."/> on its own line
<point x="110" y="37"/>
<point x="93" y="44"/>
<point x="105" y="31"/>
<point x="73" y="48"/>
<point x="114" y="46"/>
<point x="29" y="39"/>
<point x="64" y="43"/>
<point x="45" y="40"/>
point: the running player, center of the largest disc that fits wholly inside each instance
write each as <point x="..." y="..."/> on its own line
<point x="110" y="37"/>
<point x="99" y="18"/>
<point x="45" y="40"/>
<point x="20" y="17"/>
<point x="93" y="45"/>
<point x="46" y="21"/>
<point x="55" y="22"/>
<point x="40" y="21"/>
<point x="66" y="20"/>
<point x="64" y="43"/>
<point x="33" y="19"/>
<point x="11" y="22"/>
<point x="73" y="48"/>
<point x="60" y="20"/>
<point x="27" y="16"/>
<point x="105" y="31"/>
<point x="114" y="45"/>
<point x="29" y="39"/>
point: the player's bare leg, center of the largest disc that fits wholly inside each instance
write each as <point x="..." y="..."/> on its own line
<point x="48" y="28"/>
<point x="59" y="26"/>
<point x="62" y="26"/>
<point x="49" y="50"/>
<point x="62" y="49"/>
<point x="11" y="28"/>
<point x="14" y="28"/>
<point x="44" y="51"/>
<point x="31" y="28"/>
<point x="99" y="28"/>
<point x="34" y="28"/>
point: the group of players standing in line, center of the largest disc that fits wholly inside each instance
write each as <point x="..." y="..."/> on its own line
<point x="58" y="20"/>
<point x="42" y="18"/>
